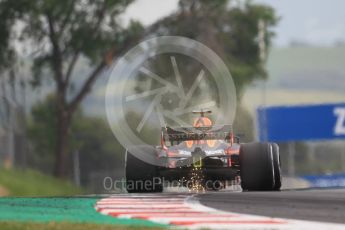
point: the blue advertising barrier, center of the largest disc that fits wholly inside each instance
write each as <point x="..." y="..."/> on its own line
<point x="301" y="123"/>
<point x="324" y="181"/>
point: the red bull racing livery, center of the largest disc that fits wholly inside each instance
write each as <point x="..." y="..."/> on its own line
<point x="206" y="154"/>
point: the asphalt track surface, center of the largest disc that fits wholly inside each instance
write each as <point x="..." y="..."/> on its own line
<point x="310" y="205"/>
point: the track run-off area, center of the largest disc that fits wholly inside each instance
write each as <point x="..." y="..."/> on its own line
<point x="288" y="209"/>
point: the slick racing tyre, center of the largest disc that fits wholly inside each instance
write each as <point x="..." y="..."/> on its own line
<point x="142" y="177"/>
<point x="277" y="167"/>
<point x="257" y="167"/>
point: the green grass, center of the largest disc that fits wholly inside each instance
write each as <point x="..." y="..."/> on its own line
<point x="32" y="183"/>
<point x="7" y="225"/>
<point x="78" y="210"/>
<point x="56" y="208"/>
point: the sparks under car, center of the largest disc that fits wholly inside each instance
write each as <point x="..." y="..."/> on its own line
<point x="213" y="152"/>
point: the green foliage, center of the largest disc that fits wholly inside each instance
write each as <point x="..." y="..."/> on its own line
<point x="230" y="30"/>
<point x="68" y="29"/>
<point x="41" y="131"/>
<point x="98" y="148"/>
<point x="60" y="33"/>
<point x="244" y="125"/>
<point x="6" y="52"/>
<point x="33" y="183"/>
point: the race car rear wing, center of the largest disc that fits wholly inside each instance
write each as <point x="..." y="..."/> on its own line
<point x="223" y="132"/>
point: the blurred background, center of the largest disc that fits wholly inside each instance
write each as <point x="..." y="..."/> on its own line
<point x="54" y="58"/>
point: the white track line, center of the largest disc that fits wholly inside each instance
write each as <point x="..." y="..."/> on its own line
<point x="186" y="211"/>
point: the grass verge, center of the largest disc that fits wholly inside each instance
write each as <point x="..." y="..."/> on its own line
<point x="16" y="182"/>
<point x="61" y="209"/>
<point x="8" y="225"/>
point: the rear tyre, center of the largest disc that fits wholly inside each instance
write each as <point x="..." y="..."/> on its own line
<point x="257" y="167"/>
<point x="277" y="167"/>
<point x="142" y="177"/>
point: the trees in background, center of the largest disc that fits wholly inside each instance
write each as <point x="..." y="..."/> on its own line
<point x="59" y="33"/>
<point x="230" y="28"/>
<point x="41" y="131"/>
<point x="90" y="136"/>
<point x="12" y="100"/>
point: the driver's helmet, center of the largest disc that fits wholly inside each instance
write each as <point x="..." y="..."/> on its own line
<point x="202" y="122"/>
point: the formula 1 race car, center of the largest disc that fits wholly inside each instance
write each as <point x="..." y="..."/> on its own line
<point x="207" y="153"/>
